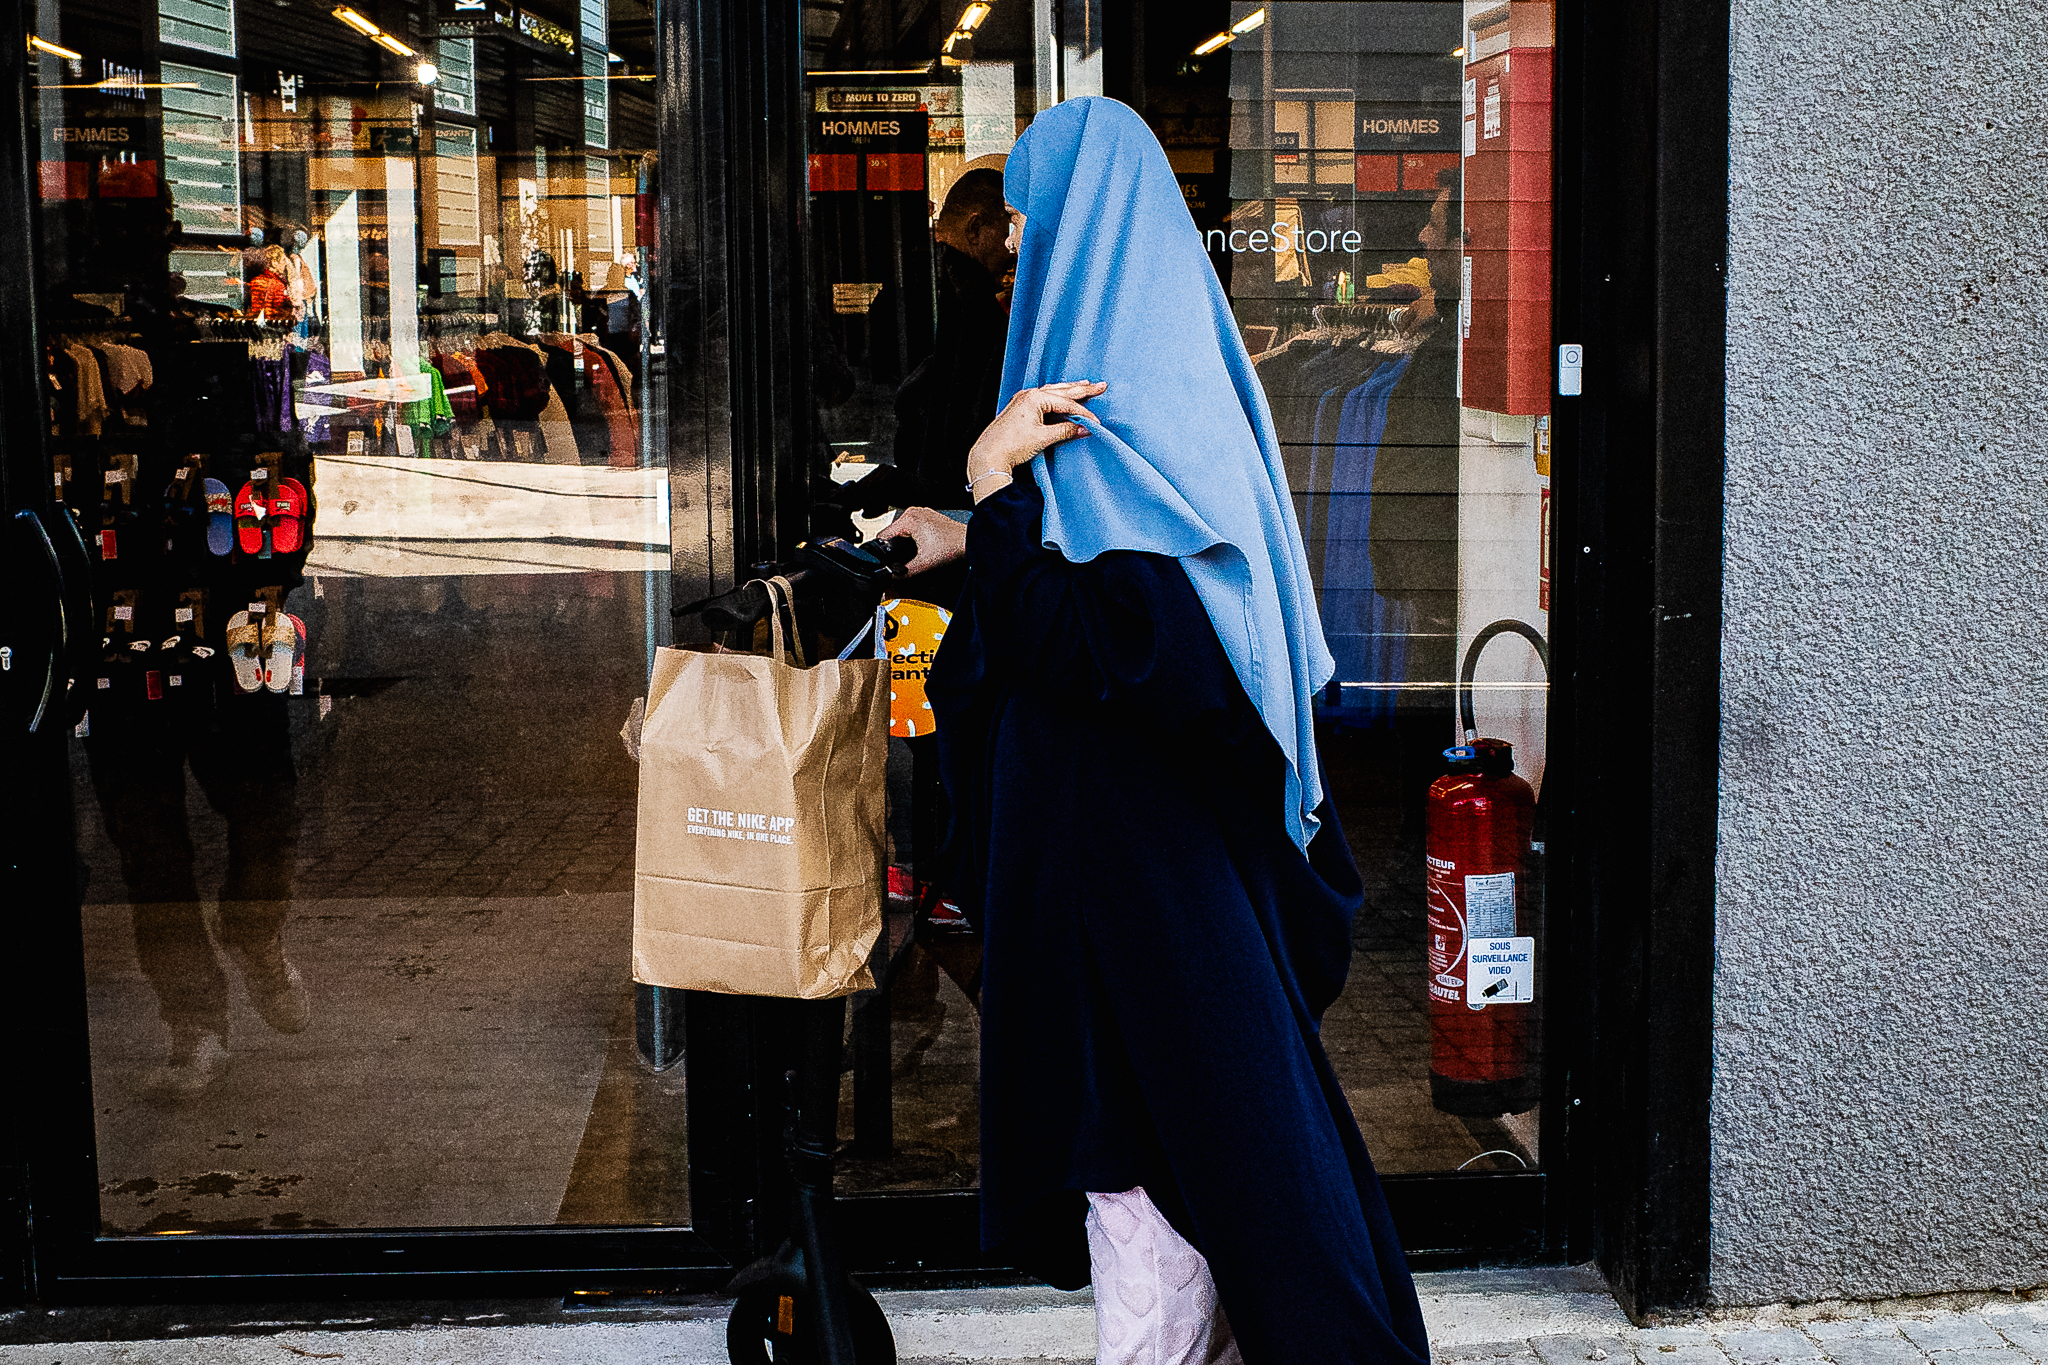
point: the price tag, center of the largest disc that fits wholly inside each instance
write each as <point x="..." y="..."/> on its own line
<point x="124" y="613"/>
<point x="57" y="477"/>
<point x="176" y="680"/>
<point x="106" y="684"/>
<point x="117" y="476"/>
<point x="258" y="608"/>
<point x="182" y="475"/>
<point x="258" y="475"/>
<point x="182" y="614"/>
<point x="355" y="443"/>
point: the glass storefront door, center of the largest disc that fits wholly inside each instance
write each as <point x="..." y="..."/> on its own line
<point x="1372" y="179"/>
<point x="372" y="394"/>
<point x="350" y="389"/>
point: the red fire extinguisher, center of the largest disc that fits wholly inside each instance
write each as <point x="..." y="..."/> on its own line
<point x="1478" y="823"/>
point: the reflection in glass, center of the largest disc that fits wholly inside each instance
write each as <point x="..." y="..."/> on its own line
<point x="1386" y="251"/>
<point x="351" y="392"/>
<point x="908" y="293"/>
<point x="1372" y="182"/>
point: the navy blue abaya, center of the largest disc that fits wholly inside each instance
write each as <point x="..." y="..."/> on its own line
<point x="1159" y="951"/>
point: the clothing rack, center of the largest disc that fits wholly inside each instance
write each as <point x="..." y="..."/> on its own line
<point x="239" y="329"/>
<point x="1385" y="327"/>
<point x="91" y="336"/>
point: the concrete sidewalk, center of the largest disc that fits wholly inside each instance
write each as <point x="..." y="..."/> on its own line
<point x="1514" y="1317"/>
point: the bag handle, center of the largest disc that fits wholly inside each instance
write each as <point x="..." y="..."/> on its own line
<point x="875" y="625"/>
<point x="781" y="598"/>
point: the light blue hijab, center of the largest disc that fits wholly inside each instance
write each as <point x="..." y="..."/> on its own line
<point x="1181" y="459"/>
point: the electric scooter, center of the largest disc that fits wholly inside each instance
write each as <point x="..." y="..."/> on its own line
<point x="798" y="1306"/>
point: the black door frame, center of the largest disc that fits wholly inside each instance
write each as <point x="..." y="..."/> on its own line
<point x="1642" y="252"/>
<point x="1641" y="240"/>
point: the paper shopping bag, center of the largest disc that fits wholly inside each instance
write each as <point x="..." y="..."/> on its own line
<point x="762" y="838"/>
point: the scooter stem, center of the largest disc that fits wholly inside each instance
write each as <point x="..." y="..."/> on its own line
<point x="810" y="1159"/>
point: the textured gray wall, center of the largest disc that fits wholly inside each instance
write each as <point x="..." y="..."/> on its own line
<point x="1881" y="1031"/>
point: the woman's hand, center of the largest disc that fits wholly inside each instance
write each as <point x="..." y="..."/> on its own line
<point x="1020" y="431"/>
<point x="939" y="539"/>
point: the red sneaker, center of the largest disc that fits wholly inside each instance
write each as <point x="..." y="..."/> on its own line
<point x="947" y="918"/>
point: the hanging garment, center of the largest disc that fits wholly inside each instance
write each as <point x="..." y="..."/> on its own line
<point x="564" y="371"/>
<point x="1342" y="368"/>
<point x="129" y="368"/>
<point x="1293" y="404"/>
<point x="568" y="374"/>
<point x="620" y="421"/>
<point x="1415" y="483"/>
<point x="270" y="297"/>
<point x="271" y="393"/>
<point x="431" y="416"/>
<point x="62" y="396"/>
<point x="622" y="373"/>
<point x="458" y="388"/>
<point x="110" y="394"/>
<point x="1367" y="633"/>
<point x="314" y="413"/>
<point x="1290" y="266"/>
<point x="517" y="379"/>
<point x="558" y="433"/>
<point x="300" y="288"/>
<point x="90" y="408"/>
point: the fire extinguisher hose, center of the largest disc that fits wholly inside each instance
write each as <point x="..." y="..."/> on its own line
<point x="1470" y="726"/>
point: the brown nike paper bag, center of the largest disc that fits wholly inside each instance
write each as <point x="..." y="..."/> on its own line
<point x="762" y="836"/>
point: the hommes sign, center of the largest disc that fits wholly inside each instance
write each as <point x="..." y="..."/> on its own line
<point x="866" y="131"/>
<point x="1424" y="127"/>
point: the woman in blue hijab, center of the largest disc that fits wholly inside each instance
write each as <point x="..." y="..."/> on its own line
<point x="1124" y="723"/>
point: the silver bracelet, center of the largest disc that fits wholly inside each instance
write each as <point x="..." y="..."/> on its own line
<point x="990" y="475"/>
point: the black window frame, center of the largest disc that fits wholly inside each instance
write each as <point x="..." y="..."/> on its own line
<point x="1641" y="200"/>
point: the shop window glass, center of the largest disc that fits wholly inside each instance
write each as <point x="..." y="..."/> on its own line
<point x="1371" y="178"/>
<point x="1372" y="181"/>
<point x="351" y="394"/>
<point x="904" y="128"/>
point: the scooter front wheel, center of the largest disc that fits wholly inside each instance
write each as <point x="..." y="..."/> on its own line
<point x="770" y="1326"/>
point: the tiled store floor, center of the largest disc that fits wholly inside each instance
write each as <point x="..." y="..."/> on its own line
<point x="466" y="953"/>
